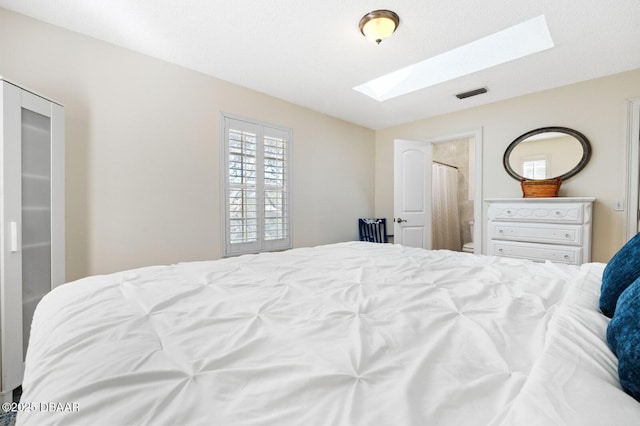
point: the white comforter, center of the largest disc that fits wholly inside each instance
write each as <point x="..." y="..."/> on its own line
<point x="346" y="334"/>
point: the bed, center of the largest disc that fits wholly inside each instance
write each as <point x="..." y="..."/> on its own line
<point x="352" y="333"/>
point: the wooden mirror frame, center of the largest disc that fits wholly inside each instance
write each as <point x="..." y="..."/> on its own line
<point x="582" y="139"/>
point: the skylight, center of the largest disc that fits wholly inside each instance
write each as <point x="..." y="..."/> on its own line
<point x="515" y="42"/>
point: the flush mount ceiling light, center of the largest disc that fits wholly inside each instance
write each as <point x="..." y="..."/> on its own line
<point x="379" y="24"/>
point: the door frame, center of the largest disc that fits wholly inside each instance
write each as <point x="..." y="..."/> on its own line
<point x="633" y="167"/>
<point x="476" y="134"/>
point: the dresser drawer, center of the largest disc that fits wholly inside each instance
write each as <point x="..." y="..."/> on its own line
<point x="545" y="233"/>
<point x="538" y="212"/>
<point x="536" y="252"/>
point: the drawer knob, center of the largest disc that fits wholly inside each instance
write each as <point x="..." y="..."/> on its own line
<point x="500" y="250"/>
<point x="567" y="235"/>
<point x="508" y="211"/>
<point x="501" y="231"/>
<point x="566" y="256"/>
<point x="558" y="213"/>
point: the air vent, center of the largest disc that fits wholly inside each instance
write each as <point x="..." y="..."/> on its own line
<point x="471" y="93"/>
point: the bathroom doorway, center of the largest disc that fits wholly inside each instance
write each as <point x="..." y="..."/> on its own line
<point x="456" y="192"/>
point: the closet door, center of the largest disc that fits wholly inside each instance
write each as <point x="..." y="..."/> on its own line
<point x="11" y="264"/>
<point x="40" y="178"/>
<point x="33" y="218"/>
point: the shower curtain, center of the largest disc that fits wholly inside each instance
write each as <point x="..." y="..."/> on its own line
<point x="444" y="207"/>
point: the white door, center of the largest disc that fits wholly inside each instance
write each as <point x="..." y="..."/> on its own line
<point x="412" y="193"/>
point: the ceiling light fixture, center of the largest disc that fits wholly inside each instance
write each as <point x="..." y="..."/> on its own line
<point x="379" y="24"/>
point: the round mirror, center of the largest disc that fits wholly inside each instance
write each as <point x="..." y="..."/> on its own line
<point x="547" y="153"/>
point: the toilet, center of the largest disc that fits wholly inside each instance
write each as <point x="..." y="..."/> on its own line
<point x="468" y="247"/>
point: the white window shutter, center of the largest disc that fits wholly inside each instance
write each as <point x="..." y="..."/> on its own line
<point x="256" y="187"/>
<point x="275" y="163"/>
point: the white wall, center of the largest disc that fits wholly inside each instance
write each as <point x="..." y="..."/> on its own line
<point x="597" y="108"/>
<point x="143" y="182"/>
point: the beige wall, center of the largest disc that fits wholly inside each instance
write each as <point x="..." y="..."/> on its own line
<point x="597" y="108"/>
<point x="143" y="181"/>
<point x="142" y="157"/>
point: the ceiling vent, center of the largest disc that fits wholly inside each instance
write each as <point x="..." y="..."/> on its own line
<point x="471" y="93"/>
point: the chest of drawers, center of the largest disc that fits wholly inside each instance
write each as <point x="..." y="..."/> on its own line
<point x="555" y="229"/>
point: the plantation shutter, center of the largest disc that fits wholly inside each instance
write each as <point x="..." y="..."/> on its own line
<point x="276" y="192"/>
<point x="256" y="166"/>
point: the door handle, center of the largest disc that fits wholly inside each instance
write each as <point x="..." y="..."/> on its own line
<point x="14" y="236"/>
<point x="400" y="220"/>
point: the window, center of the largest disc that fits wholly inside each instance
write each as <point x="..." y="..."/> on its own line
<point x="256" y="186"/>
<point x="535" y="167"/>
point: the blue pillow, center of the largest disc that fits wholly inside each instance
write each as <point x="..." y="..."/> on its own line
<point x="623" y="337"/>
<point x="622" y="270"/>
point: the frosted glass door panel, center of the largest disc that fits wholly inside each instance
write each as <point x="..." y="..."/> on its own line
<point x="36" y="214"/>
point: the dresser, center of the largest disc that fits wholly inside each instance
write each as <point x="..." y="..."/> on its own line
<point x="555" y="229"/>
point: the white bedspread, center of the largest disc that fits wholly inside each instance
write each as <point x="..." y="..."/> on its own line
<point x="346" y="334"/>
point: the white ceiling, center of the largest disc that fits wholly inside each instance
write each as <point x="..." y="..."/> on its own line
<point x="311" y="52"/>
